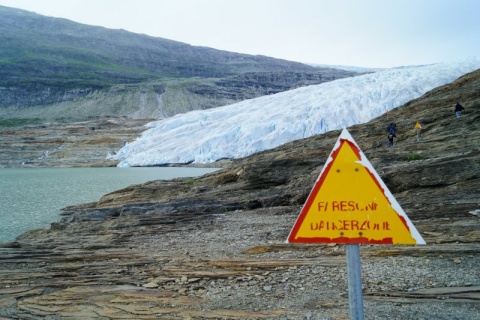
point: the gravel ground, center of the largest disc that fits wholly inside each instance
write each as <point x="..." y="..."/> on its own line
<point x="310" y="282"/>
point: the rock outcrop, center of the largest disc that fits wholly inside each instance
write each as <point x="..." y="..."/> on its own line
<point x="79" y="144"/>
<point x="213" y="247"/>
<point x="155" y="99"/>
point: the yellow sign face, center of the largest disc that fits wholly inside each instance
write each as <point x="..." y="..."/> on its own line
<point x="418" y="126"/>
<point x="350" y="204"/>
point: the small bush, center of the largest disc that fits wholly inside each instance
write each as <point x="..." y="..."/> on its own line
<point x="189" y="181"/>
<point x="415" y="155"/>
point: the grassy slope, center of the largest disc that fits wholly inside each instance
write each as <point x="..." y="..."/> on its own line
<point x="81" y="55"/>
<point x="54" y="69"/>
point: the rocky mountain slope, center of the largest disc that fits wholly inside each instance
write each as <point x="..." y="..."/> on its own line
<point x="213" y="247"/>
<point x="54" y="69"/>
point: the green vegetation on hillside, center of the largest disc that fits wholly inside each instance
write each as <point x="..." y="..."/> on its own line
<point x="17" y="122"/>
<point x="72" y="71"/>
<point x="67" y="54"/>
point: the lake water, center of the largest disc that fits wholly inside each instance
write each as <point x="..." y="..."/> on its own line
<point x="31" y="198"/>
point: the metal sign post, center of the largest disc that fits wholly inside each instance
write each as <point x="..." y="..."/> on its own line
<point x="354" y="273"/>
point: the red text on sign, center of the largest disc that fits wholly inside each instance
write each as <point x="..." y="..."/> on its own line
<point x="349" y="225"/>
<point x="345" y="206"/>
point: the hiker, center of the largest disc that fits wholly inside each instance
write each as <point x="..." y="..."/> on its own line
<point x="392" y="130"/>
<point x="458" y="109"/>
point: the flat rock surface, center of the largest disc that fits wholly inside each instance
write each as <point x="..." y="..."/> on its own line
<point x="213" y="247"/>
<point x="231" y="266"/>
<point x="79" y="144"/>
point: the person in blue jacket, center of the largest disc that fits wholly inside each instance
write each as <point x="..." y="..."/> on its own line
<point x="458" y="109"/>
<point x="392" y="133"/>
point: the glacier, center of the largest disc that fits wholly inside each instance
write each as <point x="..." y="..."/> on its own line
<point x="243" y="128"/>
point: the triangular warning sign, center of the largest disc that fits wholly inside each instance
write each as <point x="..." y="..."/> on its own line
<point x="350" y="204"/>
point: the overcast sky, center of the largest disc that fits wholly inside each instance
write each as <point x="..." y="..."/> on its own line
<point x="366" y="33"/>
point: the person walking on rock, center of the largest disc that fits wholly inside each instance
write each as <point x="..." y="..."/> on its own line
<point x="392" y="133"/>
<point x="458" y="109"/>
